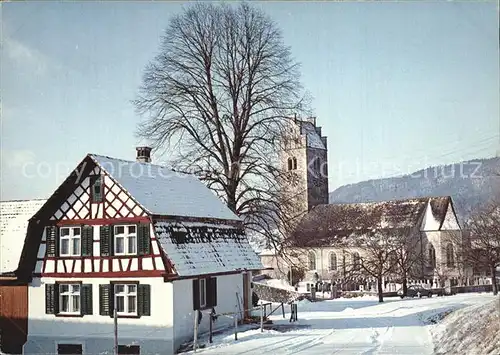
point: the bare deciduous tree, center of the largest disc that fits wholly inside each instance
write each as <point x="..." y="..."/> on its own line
<point x="408" y="254"/>
<point x="377" y="257"/>
<point x="482" y="249"/>
<point x="218" y="98"/>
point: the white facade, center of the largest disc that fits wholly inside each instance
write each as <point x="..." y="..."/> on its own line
<point x="170" y="324"/>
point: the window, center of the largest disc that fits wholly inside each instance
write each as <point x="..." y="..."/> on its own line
<point x="294" y="163"/>
<point x="126" y="299"/>
<point x="311" y="260"/>
<point x="125" y="240"/>
<point x="332" y="261"/>
<point x="96" y="186"/>
<point x="70" y="241"/>
<point x="129" y="349"/>
<point x="69" y="349"/>
<point x="450" y="256"/>
<point x="69" y="298"/>
<point x="356" y="261"/>
<point x="203" y="293"/>
<point x="432" y="256"/>
<point x="290" y="164"/>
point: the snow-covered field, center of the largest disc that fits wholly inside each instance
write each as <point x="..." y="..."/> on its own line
<point x="353" y="326"/>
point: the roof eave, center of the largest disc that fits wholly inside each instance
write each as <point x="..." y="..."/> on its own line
<point x="170" y="277"/>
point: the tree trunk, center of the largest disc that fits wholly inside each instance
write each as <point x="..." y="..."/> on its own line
<point x="380" y="289"/>
<point x="405" y="285"/>
<point x="494" y="285"/>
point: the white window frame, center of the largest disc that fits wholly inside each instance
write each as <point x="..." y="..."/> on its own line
<point x="126" y="294"/>
<point x="70" y="238"/>
<point x="203" y="292"/>
<point x="126" y="235"/>
<point x="71" y="294"/>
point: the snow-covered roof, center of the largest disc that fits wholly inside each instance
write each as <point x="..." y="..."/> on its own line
<point x="14" y="217"/>
<point x="201" y="248"/>
<point x="324" y="223"/>
<point x="161" y="191"/>
<point x="312" y="137"/>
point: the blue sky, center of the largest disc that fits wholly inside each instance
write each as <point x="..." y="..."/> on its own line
<point x="396" y="86"/>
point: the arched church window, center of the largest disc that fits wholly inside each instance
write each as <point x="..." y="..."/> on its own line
<point x="432" y="256"/>
<point x="294" y="163"/>
<point x="290" y="164"/>
<point x="332" y="261"/>
<point x="450" y="256"/>
<point x="311" y="256"/>
<point x="356" y="261"/>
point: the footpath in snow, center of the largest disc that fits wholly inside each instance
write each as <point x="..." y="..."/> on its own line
<point x="354" y="326"/>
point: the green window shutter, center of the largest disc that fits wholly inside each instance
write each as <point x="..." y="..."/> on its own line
<point x="196" y="294"/>
<point x="51" y="241"/>
<point x="106" y="240"/>
<point x="106" y="300"/>
<point x="212" y="291"/>
<point x="50" y="299"/>
<point x="143" y="239"/>
<point x="144" y="300"/>
<point x="86" y="299"/>
<point x="87" y="240"/>
<point x="211" y="283"/>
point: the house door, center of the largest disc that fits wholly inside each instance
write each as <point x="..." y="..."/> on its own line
<point x="246" y="292"/>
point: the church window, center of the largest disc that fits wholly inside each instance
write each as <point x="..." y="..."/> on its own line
<point x="294" y="163"/>
<point x="432" y="256"/>
<point x="311" y="256"/>
<point x="450" y="256"/>
<point x="332" y="261"/>
<point x="290" y="164"/>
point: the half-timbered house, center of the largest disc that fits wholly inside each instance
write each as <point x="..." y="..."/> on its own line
<point x="14" y="216"/>
<point x="154" y="245"/>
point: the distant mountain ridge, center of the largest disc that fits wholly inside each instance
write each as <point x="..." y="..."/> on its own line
<point x="470" y="184"/>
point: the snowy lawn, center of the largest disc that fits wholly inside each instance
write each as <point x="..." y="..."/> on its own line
<point x="350" y="326"/>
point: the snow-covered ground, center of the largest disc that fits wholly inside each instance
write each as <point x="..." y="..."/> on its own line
<point x="351" y="326"/>
<point x="473" y="330"/>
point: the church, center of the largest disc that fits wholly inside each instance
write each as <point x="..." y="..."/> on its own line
<point x="311" y="245"/>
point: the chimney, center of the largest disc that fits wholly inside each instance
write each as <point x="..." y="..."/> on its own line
<point x="143" y="154"/>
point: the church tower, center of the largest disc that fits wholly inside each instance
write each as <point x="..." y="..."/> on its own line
<point x="305" y="160"/>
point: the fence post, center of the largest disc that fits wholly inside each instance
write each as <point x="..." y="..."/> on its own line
<point x="195" y="340"/>
<point x="261" y="318"/>
<point x="283" y="309"/>
<point x="236" y="322"/>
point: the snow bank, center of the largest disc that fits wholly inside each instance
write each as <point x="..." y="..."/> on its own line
<point x="472" y="330"/>
<point x="282" y="284"/>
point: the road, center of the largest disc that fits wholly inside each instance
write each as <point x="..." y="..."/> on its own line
<point x="357" y="326"/>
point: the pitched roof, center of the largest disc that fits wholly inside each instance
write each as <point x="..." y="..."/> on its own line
<point x="14" y="218"/>
<point x="327" y="222"/>
<point x="313" y="139"/>
<point x="200" y="248"/>
<point x="161" y="191"/>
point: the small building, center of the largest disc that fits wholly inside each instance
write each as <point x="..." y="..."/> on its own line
<point x="14" y="216"/>
<point x="155" y="245"/>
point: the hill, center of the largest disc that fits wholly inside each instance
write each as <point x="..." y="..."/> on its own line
<point x="470" y="183"/>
